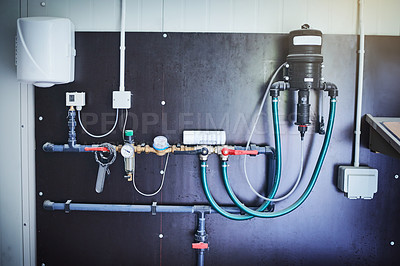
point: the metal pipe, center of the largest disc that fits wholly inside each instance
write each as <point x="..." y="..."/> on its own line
<point x="361" y="51"/>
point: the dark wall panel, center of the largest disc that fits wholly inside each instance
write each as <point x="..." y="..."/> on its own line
<point x="213" y="81"/>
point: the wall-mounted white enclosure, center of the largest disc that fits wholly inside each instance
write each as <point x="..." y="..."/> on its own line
<point x="45" y="52"/>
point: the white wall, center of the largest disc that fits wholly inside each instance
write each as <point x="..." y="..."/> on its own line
<point x="11" y="247"/>
<point x="263" y="16"/>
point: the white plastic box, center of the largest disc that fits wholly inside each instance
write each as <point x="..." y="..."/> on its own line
<point x="199" y="137"/>
<point x="45" y="51"/>
<point x="358" y="182"/>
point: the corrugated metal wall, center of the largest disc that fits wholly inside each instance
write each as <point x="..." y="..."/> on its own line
<point x="258" y="16"/>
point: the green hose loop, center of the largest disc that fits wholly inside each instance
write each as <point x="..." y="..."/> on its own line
<point x="278" y="167"/>
<point x="310" y="186"/>
<point x="214" y="204"/>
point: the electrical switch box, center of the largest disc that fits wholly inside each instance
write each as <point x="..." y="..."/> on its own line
<point x="121" y="99"/>
<point x="358" y="182"/>
<point x="75" y="99"/>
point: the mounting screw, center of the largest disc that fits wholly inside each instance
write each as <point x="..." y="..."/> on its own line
<point x="42" y="4"/>
<point x="287" y="65"/>
<point x="286" y="78"/>
<point x="161" y="172"/>
<point x="396" y="176"/>
<point x="392" y="243"/>
<point x="160" y="236"/>
<point x="40" y="118"/>
<point x="165" y="35"/>
<point x="43" y="264"/>
<point x="40" y="193"/>
<point x="162" y="102"/>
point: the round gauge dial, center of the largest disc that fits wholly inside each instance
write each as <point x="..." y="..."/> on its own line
<point x="127" y="151"/>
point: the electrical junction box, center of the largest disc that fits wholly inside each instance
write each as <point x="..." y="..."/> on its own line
<point x="121" y="99"/>
<point x="358" y="182"/>
<point x="75" y="99"/>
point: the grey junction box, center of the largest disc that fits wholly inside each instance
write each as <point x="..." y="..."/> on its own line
<point x="358" y="182"/>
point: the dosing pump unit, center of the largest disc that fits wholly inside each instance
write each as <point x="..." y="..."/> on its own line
<point x="304" y="69"/>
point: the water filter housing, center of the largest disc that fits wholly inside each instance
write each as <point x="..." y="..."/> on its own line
<point x="45" y="51"/>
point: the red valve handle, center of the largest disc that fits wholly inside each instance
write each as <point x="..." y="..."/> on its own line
<point x="226" y="151"/>
<point x="200" y="245"/>
<point x="96" y="149"/>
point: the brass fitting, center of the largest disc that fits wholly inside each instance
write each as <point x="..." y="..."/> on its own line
<point x="148" y="149"/>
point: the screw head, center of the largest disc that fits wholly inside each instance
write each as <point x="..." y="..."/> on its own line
<point x="160" y="236"/>
<point x="396" y="176"/>
<point x="42" y="4"/>
<point x="161" y="172"/>
<point x="165" y="35"/>
<point x="40" y="118"/>
<point x="40" y="193"/>
<point x="162" y="102"/>
<point x="392" y="243"/>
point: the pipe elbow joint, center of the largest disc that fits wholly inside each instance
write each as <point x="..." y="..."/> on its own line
<point x="278" y="86"/>
<point x="48" y="147"/>
<point x="331" y="88"/>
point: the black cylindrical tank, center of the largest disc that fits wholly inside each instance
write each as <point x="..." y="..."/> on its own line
<point x="305" y="58"/>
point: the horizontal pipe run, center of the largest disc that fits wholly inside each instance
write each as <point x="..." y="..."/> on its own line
<point x="54" y="206"/>
<point x="50" y="147"/>
<point x="260" y="149"/>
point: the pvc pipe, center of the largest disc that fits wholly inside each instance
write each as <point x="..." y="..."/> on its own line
<point x="50" y="147"/>
<point x="122" y="48"/>
<point x="200" y="258"/>
<point x="361" y="51"/>
<point x="310" y="186"/>
<point x="54" y="206"/>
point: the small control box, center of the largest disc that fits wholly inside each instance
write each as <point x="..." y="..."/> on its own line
<point x="201" y="137"/>
<point x="121" y="99"/>
<point x="75" y="99"/>
<point x="358" y="182"/>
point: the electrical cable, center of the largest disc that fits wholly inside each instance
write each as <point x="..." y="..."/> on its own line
<point x="123" y="128"/>
<point x="297" y="179"/>
<point x="161" y="186"/>
<point x="98" y="136"/>
<point x="252" y="132"/>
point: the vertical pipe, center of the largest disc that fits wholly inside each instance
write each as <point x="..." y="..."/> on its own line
<point x="122" y="47"/>
<point x="200" y="258"/>
<point x="361" y="51"/>
<point x="201" y="236"/>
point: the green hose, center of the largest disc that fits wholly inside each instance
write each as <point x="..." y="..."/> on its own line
<point x="278" y="168"/>
<point x="310" y="186"/>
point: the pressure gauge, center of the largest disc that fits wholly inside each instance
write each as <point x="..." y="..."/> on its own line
<point x="127" y="151"/>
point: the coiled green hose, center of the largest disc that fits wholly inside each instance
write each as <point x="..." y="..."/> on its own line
<point x="310" y="186"/>
<point x="278" y="168"/>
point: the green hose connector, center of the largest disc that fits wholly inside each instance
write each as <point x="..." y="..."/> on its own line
<point x="278" y="168"/>
<point x="310" y="186"/>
